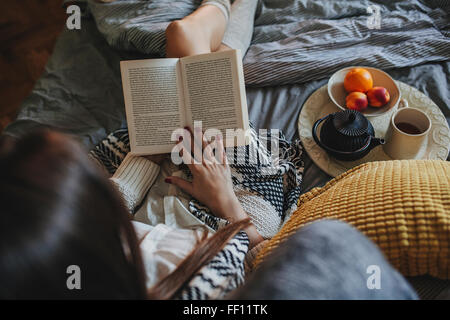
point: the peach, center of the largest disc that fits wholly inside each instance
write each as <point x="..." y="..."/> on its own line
<point x="356" y="101"/>
<point x="378" y="96"/>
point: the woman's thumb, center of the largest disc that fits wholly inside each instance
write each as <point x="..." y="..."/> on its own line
<point x="180" y="183"/>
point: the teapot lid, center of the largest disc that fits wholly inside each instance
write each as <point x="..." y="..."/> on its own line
<point x="350" y="123"/>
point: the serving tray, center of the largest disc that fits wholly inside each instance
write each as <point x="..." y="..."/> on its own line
<point x="319" y="105"/>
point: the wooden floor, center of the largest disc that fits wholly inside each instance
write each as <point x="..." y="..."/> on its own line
<point x="28" y="31"/>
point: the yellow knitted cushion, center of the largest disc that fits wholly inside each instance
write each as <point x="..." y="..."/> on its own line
<point x="403" y="206"/>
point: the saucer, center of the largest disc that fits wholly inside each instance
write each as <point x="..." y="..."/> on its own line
<point x="319" y="105"/>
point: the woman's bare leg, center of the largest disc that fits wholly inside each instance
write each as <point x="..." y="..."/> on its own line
<point x="205" y="30"/>
<point x="200" y="32"/>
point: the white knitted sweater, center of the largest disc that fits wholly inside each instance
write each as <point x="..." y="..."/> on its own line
<point x="136" y="175"/>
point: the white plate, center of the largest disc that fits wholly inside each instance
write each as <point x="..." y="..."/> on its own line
<point x="319" y="105"/>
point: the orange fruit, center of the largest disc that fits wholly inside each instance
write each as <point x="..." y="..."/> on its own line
<point x="358" y="79"/>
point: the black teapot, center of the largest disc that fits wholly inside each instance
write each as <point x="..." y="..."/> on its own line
<point x="346" y="135"/>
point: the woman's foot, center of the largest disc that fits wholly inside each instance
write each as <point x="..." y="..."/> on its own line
<point x="200" y="32"/>
<point x="185" y="38"/>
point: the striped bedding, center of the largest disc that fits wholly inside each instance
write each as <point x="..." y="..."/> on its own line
<point x="80" y="91"/>
<point x="296" y="41"/>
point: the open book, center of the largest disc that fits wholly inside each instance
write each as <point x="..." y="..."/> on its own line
<point x="162" y="95"/>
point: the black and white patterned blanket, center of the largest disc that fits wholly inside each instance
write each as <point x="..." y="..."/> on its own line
<point x="276" y="179"/>
<point x="278" y="183"/>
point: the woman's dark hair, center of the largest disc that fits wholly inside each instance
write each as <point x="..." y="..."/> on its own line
<point x="58" y="209"/>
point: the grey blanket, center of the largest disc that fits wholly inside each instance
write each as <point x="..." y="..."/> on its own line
<point x="300" y="40"/>
<point x="80" y="91"/>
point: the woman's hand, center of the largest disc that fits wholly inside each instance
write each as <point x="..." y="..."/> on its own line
<point x="211" y="177"/>
<point x="211" y="183"/>
<point x="157" y="158"/>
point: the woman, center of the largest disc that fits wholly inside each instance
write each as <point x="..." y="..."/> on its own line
<point x="214" y="26"/>
<point x="220" y="199"/>
<point x="59" y="210"/>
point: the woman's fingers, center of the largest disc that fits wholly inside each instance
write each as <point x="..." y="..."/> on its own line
<point x="185" y="151"/>
<point x="157" y="158"/>
<point x="201" y="150"/>
<point x="208" y="154"/>
<point x="194" y="143"/>
<point x="200" y="147"/>
<point x="197" y="146"/>
<point x="181" y="183"/>
<point x="220" y="150"/>
<point x="187" y="158"/>
<point x="200" y="137"/>
<point x="189" y="144"/>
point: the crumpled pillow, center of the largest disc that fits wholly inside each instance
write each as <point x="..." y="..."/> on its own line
<point x="403" y="206"/>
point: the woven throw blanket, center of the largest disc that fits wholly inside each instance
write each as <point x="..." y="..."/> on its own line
<point x="254" y="168"/>
<point x="296" y="41"/>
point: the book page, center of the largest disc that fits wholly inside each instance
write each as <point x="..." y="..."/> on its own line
<point x="214" y="91"/>
<point x="153" y="103"/>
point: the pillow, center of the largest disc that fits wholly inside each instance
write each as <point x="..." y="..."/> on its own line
<point x="403" y="206"/>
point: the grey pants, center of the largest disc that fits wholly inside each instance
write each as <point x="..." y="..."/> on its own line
<point x="240" y="16"/>
<point x="326" y="260"/>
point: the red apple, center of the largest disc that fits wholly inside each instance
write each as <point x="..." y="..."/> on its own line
<point x="356" y="101"/>
<point x="378" y="96"/>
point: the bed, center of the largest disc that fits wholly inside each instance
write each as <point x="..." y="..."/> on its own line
<point x="305" y="41"/>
